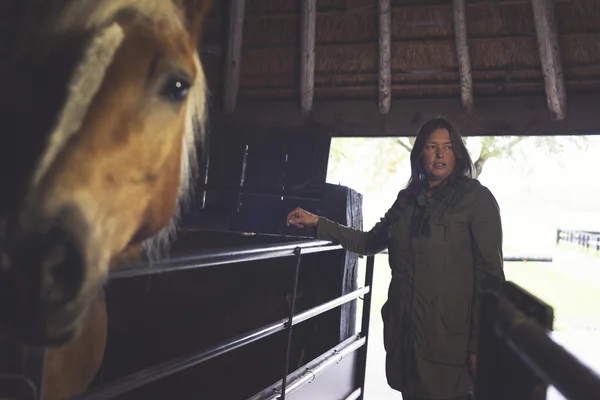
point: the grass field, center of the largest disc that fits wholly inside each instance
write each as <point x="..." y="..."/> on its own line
<point x="570" y="284"/>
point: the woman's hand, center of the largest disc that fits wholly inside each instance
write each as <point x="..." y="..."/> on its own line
<point x="301" y="218"/>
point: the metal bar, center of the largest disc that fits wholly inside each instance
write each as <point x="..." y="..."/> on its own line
<point x="242" y="178"/>
<point x="314" y="373"/>
<point x="21" y="371"/>
<point x="546" y="358"/>
<point x="298" y="254"/>
<point x="17" y="386"/>
<point x="234" y="53"/>
<point x="209" y="258"/>
<point x="308" y="19"/>
<point x="33" y="366"/>
<point x="205" y="169"/>
<point x="313" y="369"/>
<point x="366" y="319"/>
<point x="330" y="305"/>
<point x="463" y="56"/>
<point x="355" y="395"/>
<point x="516" y="257"/>
<point x="549" y="48"/>
<point x="527" y="258"/>
<point x="290" y="194"/>
<point x="171" y="367"/>
<point x="385" y="56"/>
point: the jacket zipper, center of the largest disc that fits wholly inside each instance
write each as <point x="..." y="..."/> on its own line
<point x="412" y="298"/>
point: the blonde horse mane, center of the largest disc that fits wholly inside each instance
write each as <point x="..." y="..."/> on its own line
<point x="99" y="14"/>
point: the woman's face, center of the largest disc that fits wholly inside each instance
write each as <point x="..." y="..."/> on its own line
<point x="438" y="156"/>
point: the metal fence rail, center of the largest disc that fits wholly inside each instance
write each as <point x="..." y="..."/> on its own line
<point x="307" y="195"/>
<point x="200" y="259"/>
<point x="237" y="254"/>
<point x="588" y="240"/>
<point x="159" y="371"/>
<point x="515" y="257"/>
<point x="21" y="371"/>
<point x="209" y="258"/>
<point x="314" y="369"/>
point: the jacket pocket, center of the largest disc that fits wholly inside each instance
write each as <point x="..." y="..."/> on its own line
<point x="391" y="334"/>
<point x="458" y="236"/>
<point x="387" y="329"/>
<point x="444" y="337"/>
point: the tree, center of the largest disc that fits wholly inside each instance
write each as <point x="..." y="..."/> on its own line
<point x="485" y="148"/>
<point x="366" y="164"/>
<point x="494" y="147"/>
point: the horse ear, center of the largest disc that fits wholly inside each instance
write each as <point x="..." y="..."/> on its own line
<point x="195" y="12"/>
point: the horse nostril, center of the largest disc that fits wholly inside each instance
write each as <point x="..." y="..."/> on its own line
<point x="47" y="269"/>
<point x="61" y="270"/>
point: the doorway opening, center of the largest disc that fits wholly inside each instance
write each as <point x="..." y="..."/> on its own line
<point x="547" y="192"/>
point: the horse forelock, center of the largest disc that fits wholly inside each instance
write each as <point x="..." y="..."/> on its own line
<point x="93" y="14"/>
<point x="85" y="82"/>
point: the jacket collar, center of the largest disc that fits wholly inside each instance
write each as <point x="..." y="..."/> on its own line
<point x="444" y="192"/>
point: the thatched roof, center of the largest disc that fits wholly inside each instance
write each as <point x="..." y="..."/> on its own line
<point x="502" y="40"/>
<point x="505" y="63"/>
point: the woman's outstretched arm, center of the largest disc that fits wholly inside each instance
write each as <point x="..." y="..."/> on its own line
<point x="353" y="240"/>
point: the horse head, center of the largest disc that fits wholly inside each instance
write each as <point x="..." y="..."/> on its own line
<point x="101" y="114"/>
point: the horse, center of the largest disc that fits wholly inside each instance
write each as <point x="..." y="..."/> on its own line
<point x="102" y="110"/>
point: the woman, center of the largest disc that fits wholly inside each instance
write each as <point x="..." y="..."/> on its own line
<point x="444" y="238"/>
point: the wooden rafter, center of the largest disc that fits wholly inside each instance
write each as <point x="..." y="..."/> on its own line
<point x="501" y="115"/>
<point x="308" y="22"/>
<point x="463" y="56"/>
<point x="234" y="53"/>
<point x="385" y="56"/>
<point x="547" y="37"/>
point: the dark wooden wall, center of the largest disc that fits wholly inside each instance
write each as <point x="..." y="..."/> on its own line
<point x="280" y="172"/>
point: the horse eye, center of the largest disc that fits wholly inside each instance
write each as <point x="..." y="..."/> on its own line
<point x="176" y="89"/>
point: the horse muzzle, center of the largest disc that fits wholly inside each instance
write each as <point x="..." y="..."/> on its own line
<point x="42" y="273"/>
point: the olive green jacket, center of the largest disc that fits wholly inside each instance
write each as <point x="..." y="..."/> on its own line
<point x="444" y="249"/>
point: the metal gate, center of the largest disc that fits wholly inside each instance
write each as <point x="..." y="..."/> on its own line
<point x="346" y="362"/>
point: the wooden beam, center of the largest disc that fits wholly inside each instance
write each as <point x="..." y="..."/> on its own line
<point x="422" y="5"/>
<point x="234" y="53"/>
<point x="463" y="56"/>
<point x="385" y="56"/>
<point x="308" y="20"/>
<point x="547" y="37"/>
<point x="506" y="115"/>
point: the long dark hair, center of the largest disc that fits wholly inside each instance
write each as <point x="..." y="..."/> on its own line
<point x="463" y="167"/>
